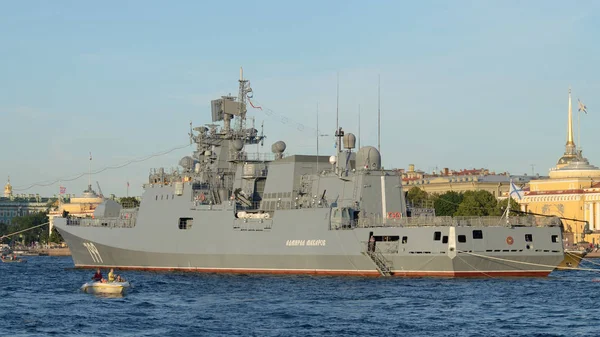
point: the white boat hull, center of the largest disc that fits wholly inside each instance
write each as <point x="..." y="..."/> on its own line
<point x="105" y="288"/>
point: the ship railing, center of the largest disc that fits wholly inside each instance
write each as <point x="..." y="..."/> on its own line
<point x="105" y="222"/>
<point x="490" y="221"/>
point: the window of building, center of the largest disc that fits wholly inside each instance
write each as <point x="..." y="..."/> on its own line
<point x="477" y="234"/>
<point x="462" y="238"/>
<point x="186" y="223"/>
<point x="445" y="239"/>
<point x="404" y="239"/>
<point x="528" y="237"/>
<point x="437" y="236"/>
<point x="554" y="238"/>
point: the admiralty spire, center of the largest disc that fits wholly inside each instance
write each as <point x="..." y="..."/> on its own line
<point x="570" y="148"/>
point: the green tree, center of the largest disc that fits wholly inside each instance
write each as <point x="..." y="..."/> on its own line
<point x="447" y="204"/>
<point x="513" y="205"/>
<point x="478" y="203"/>
<point x="129" y="202"/>
<point x="55" y="237"/>
<point x="28" y="221"/>
<point x="416" y="196"/>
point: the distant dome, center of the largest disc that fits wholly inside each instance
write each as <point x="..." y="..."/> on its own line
<point x="578" y="167"/>
<point x="237" y="145"/>
<point x="8" y="189"/>
<point x="278" y="147"/>
<point x="187" y="162"/>
<point x="368" y="158"/>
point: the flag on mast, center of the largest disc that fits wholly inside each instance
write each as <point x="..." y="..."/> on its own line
<point x="63" y="190"/>
<point x="515" y="192"/>
<point x="582" y="106"/>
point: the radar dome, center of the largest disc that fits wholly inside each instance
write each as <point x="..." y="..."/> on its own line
<point x="187" y="162"/>
<point x="368" y="158"/>
<point x="278" y="147"/>
<point x="349" y="141"/>
<point x="332" y="160"/>
<point x="238" y="145"/>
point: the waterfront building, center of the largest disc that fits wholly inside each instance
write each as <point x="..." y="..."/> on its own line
<point x="461" y="181"/>
<point x="571" y="191"/>
<point x="81" y="207"/>
<point x="16" y="205"/>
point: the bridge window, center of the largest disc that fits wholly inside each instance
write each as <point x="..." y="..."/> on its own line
<point x="477" y="234"/>
<point x="462" y="238"/>
<point x="437" y="236"/>
<point x="554" y="238"/>
<point x="445" y="239"/>
<point x="528" y="237"/>
<point x="404" y="239"/>
<point x="185" y="223"/>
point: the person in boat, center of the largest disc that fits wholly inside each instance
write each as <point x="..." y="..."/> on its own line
<point x="111" y="275"/>
<point x="97" y="276"/>
<point x="120" y="279"/>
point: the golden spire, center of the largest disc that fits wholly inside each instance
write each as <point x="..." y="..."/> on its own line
<point x="570" y="130"/>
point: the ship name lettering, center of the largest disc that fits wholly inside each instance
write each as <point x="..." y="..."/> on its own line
<point x="299" y="243"/>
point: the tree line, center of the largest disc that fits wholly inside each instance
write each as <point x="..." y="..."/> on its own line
<point x="469" y="203"/>
<point x="39" y="234"/>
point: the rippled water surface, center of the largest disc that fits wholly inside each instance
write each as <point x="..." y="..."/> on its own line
<point x="42" y="298"/>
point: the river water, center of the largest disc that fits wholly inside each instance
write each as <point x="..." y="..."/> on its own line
<point x="42" y="298"/>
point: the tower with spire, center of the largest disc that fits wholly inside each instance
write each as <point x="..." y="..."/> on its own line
<point x="571" y="153"/>
<point x="8" y="189"/>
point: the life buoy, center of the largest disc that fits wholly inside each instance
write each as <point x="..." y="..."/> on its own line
<point x="509" y="240"/>
<point x="202" y="197"/>
<point x="391" y="215"/>
<point x="397" y="215"/>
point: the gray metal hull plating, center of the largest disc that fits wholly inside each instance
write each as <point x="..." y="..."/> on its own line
<point x="300" y="241"/>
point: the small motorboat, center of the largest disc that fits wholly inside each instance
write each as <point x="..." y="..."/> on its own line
<point x="97" y="287"/>
<point x="12" y="259"/>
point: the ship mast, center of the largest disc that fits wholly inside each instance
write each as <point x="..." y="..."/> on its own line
<point x="243" y="91"/>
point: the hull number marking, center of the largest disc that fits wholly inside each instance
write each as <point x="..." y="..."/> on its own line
<point x="94" y="253"/>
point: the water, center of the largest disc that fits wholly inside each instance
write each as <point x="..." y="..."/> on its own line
<point x="42" y="298"/>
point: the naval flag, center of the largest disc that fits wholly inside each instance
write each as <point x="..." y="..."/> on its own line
<point x="63" y="190"/>
<point x="582" y="106"/>
<point x="515" y="192"/>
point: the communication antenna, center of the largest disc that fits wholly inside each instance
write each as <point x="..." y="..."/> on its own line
<point x="359" y="126"/>
<point x="318" y="136"/>
<point x="379" y="113"/>
<point x="337" y="114"/>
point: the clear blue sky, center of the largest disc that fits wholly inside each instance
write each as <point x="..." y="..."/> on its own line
<point x="464" y="84"/>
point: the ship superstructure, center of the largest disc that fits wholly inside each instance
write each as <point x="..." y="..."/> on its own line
<point x="228" y="209"/>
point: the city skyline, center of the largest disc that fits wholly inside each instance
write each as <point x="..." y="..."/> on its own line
<point x="466" y="85"/>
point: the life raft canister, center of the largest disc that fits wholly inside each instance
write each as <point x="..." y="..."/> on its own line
<point x="509" y="240"/>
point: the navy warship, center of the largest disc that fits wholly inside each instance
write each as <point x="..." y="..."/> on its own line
<point x="227" y="209"/>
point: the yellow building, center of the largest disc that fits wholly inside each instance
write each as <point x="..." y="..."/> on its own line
<point x="460" y="181"/>
<point x="572" y="191"/>
<point x="82" y="206"/>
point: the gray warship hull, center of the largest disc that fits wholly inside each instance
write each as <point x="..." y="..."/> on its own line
<point x="227" y="211"/>
<point x="301" y="242"/>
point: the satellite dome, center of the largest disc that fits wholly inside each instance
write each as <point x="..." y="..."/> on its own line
<point x="332" y="160"/>
<point x="349" y="141"/>
<point x="278" y="147"/>
<point x="368" y="158"/>
<point x="237" y="145"/>
<point x="187" y="162"/>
